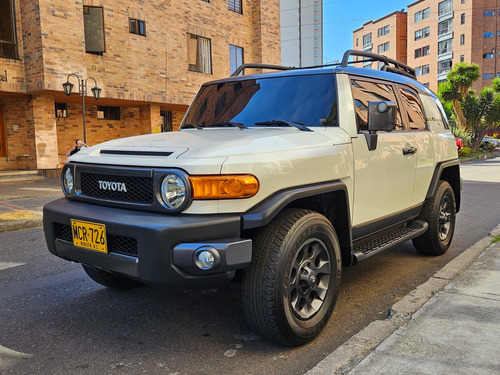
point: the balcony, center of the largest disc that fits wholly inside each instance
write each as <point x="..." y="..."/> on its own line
<point x="445" y="16"/>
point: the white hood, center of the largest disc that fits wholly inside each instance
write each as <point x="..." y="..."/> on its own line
<point x="178" y="148"/>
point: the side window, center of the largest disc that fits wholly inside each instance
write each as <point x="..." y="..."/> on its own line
<point x="413" y="112"/>
<point x="365" y="92"/>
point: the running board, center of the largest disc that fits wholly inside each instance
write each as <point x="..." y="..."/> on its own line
<point x="390" y="240"/>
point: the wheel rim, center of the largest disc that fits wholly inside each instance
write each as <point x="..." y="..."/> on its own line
<point x="444" y="218"/>
<point x="309" y="279"/>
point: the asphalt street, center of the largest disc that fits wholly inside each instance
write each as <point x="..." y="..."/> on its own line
<point x="57" y="321"/>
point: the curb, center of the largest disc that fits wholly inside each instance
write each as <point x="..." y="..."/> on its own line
<point x="20" y="224"/>
<point x="349" y="354"/>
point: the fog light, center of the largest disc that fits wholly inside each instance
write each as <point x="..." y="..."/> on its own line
<point x="206" y="258"/>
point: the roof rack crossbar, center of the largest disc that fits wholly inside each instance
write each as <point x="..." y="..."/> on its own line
<point x="398" y="67"/>
<point x="258" y="66"/>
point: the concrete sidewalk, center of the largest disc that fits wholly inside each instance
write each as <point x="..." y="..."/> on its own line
<point x="448" y="325"/>
<point x="21" y="203"/>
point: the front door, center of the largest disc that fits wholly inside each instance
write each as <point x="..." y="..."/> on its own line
<point x="3" y="148"/>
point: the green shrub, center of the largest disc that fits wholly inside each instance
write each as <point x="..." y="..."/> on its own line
<point x="464" y="152"/>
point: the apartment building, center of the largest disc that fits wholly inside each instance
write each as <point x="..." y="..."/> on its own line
<point x="440" y="34"/>
<point x="147" y="57"/>
<point x="301" y="32"/>
<point x="457" y="31"/>
<point x="386" y="36"/>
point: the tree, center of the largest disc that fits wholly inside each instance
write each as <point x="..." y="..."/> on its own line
<point x="473" y="114"/>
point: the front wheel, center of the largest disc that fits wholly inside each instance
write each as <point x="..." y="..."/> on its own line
<point x="439" y="212"/>
<point x="290" y="289"/>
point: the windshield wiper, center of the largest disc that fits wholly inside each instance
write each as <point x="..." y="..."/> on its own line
<point x="238" y="125"/>
<point x="295" y="124"/>
<point x="193" y="125"/>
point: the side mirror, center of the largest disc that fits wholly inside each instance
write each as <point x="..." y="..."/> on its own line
<point x="381" y="116"/>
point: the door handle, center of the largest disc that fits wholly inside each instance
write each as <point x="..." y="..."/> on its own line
<point x="409" y="150"/>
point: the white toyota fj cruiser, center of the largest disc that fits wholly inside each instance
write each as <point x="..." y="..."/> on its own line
<point x="288" y="176"/>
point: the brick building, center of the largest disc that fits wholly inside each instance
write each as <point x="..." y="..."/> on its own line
<point x="440" y="34"/>
<point x="386" y="36"/>
<point x="149" y="59"/>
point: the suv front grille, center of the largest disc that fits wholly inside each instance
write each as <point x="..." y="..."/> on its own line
<point x="138" y="189"/>
<point x="116" y="244"/>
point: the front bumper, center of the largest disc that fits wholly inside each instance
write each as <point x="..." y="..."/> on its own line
<point x="150" y="247"/>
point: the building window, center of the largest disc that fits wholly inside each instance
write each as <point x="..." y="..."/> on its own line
<point x="462" y="39"/>
<point x="418" y="71"/>
<point x="137" y="26"/>
<point x="422" y="33"/>
<point x="423" y="14"/>
<point x="490" y="55"/>
<point x="357" y="42"/>
<point x="235" y="6"/>
<point x="383" y="47"/>
<point x="383" y="31"/>
<point x="8" y="40"/>
<point x="61" y="110"/>
<point x="235" y="58"/>
<point x="444" y="66"/>
<point x="425" y="69"/>
<point x="108" y="113"/>
<point x="426" y="84"/>
<point x="424" y="51"/>
<point x="199" y="54"/>
<point x="489" y="13"/>
<point x="488" y="34"/>
<point x="445" y="27"/>
<point x="488" y="75"/>
<point x="462" y="58"/>
<point x="445" y="46"/>
<point x="367" y="39"/>
<point x="93" y="21"/>
<point x="445" y="7"/>
<point x="462" y="18"/>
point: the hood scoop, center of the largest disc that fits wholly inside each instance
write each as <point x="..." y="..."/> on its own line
<point x="136" y="153"/>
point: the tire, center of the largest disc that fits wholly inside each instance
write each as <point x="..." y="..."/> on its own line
<point x="292" y="284"/>
<point x="439" y="212"/>
<point x="110" y="280"/>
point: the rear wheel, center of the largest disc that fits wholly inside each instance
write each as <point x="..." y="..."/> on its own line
<point x="109" y="279"/>
<point x="439" y="212"/>
<point x="291" y="287"/>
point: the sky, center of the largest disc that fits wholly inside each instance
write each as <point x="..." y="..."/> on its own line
<point x="342" y="17"/>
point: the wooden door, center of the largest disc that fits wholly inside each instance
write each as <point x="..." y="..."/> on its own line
<point x="3" y="148"/>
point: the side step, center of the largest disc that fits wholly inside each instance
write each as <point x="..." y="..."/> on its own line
<point x="390" y="240"/>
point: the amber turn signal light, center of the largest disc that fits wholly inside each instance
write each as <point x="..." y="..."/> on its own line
<point x="224" y="186"/>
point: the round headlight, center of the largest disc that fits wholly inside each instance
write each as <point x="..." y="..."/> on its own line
<point x="174" y="191"/>
<point x="68" y="182"/>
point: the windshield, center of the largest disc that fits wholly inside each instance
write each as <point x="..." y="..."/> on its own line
<point x="310" y="100"/>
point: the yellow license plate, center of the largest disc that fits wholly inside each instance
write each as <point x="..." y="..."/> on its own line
<point x="91" y="236"/>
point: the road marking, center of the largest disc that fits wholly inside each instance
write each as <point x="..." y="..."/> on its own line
<point x="43" y="189"/>
<point x="12" y="353"/>
<point x="7" y="265"/>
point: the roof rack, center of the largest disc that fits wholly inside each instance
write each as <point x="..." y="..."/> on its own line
<point x="258" y="66"/>
<point x="398" y="67"/>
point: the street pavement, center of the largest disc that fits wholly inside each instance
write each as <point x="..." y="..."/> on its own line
<point x="448" y="325"/>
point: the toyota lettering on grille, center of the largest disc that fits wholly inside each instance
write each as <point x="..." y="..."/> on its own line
<point x="113" y="186"/>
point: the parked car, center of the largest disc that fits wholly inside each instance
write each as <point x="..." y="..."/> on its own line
<point x="459" y="143"/>
<point x="489" y="143"/>
<point x="286" y="177"/>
